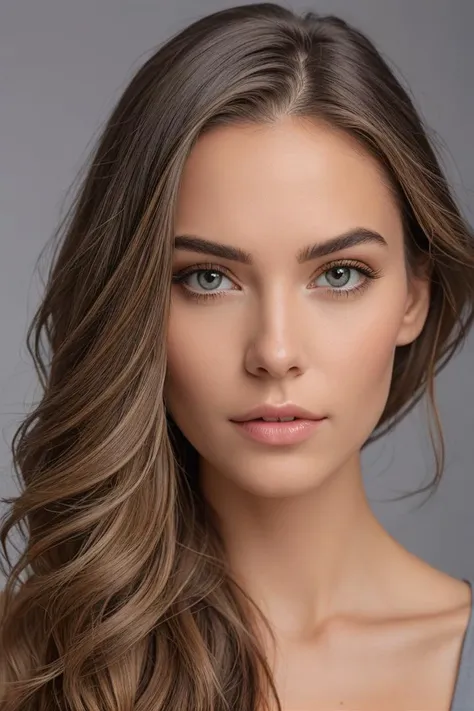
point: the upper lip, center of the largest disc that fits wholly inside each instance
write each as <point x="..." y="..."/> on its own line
<point x="286" y="410"/>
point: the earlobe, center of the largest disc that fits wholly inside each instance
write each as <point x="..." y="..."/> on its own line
<point x="416" y="310"/>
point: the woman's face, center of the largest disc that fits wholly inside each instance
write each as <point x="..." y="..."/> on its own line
<point x="318" y="333"/>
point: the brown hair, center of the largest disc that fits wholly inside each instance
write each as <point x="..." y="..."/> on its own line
<point x="122" y="598"/>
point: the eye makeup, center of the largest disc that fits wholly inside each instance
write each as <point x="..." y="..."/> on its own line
<point x="369" y="274"/>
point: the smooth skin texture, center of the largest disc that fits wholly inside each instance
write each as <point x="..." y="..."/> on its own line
<point x="360" y="622"/>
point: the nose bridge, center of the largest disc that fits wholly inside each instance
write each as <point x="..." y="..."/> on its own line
<point x="275" y="344"/>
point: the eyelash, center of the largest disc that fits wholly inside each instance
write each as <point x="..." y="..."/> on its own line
<point x="369" y="274"/>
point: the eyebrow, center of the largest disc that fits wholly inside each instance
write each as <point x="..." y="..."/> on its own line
<point x="350" y="238"/>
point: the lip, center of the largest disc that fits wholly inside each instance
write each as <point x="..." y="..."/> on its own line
<point x="278" y="433"/>
<point x="285" y="410"/>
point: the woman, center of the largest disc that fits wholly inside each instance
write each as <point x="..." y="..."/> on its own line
<point x="264" y="231"/>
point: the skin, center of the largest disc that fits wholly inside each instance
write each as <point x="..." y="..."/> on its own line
<point x="359" y="621"/>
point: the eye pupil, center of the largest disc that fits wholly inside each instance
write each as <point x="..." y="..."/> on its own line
<point x="209" y="277"/>
<point x="338" y="273"/>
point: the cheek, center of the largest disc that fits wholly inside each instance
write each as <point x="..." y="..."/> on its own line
<point x="198" y="362"/>
<point x="362" y="362"/>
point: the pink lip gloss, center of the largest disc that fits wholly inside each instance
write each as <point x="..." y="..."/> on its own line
<point x="279" y="432"/>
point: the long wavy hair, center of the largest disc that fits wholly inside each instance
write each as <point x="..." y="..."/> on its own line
<point x="122" y="599"/>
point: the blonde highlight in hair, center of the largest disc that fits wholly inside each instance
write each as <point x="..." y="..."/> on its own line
<point x="122" y="598"/>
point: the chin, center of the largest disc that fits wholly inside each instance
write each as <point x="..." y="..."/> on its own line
<point x="279" y="481"/>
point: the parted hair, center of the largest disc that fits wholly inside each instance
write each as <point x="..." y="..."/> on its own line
<point x="121" y="598"/>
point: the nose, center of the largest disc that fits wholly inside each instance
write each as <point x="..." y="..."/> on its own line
<point x="276" y="348"/>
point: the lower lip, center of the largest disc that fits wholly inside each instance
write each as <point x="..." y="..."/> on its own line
<point x="279" y="432"/>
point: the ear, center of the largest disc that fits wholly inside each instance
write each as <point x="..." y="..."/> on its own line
<point x="417" y="306"/>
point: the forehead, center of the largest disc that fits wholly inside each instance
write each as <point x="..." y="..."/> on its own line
<point x="295" y="177"/>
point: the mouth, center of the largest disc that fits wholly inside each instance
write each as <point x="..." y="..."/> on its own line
<point x="274" y="419"/>
<point x="276" y="431"/>
<point x="278" y="413"/>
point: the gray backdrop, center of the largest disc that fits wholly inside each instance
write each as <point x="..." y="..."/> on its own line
<point x="63" y="64"/>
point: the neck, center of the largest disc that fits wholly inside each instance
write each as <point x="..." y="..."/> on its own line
<point x="306" y="558"/>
